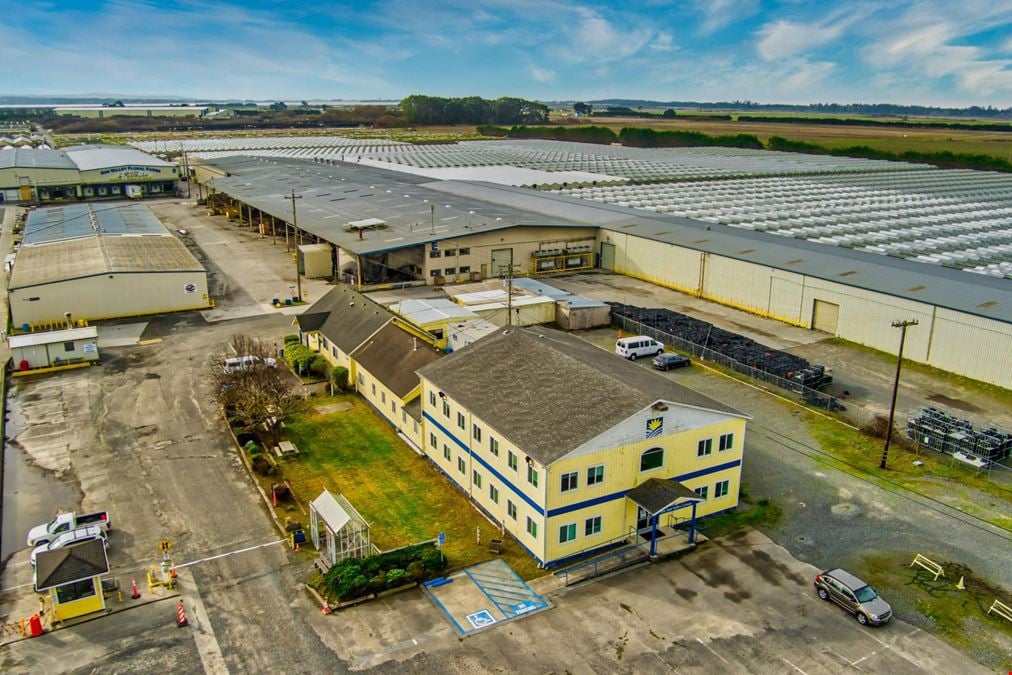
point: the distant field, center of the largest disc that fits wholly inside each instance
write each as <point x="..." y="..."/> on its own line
<point x="894" y="139"/>
<point x="994" y="143"/>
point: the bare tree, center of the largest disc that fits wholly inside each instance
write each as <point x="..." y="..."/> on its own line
<point x="255" y="392"/>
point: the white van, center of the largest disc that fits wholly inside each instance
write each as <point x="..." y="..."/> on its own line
<point x="234" y="364"/>
<point x="633" y="347"/>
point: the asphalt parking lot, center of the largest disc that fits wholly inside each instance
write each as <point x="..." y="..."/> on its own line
<point x="740" y="605"/>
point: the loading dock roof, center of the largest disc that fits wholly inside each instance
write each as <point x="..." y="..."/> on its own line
<point x="334" y="198"/>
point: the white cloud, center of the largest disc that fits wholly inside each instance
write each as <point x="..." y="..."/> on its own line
<point x="717" y="14"/>
<point x="783" y="38"/>
<point x="663" y="43"/>
<point x="542" y="75"/>
<point x="930" y="43"/>
<point x="724" y="78"/>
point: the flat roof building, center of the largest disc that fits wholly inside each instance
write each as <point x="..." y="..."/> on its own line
<point x="451" y="231"/>
<point x="82" y="172"/>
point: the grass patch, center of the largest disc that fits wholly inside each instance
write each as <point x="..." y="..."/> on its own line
<point x="958" y="616"/>
<point x="761" y="514"/>
<point x="955" y="486"/>
<point x="403" y="497"/>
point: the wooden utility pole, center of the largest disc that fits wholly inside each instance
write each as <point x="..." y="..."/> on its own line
<point x="902" y="325"/>
<point x="295" y="224"/>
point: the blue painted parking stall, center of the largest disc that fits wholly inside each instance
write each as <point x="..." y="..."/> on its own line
<point x="483" y="595"/>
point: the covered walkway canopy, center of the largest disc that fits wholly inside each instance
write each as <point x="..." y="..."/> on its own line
<point x="658" y="496"/>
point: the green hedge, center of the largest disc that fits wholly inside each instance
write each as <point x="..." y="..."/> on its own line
<point x="299" y="357"/>
<point x="355" y="577"/>
<point x="650" y="138"/>
<point x="291" y="338"/>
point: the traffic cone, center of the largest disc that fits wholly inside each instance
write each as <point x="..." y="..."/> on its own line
<point x="181" y="615"/>
<point x="134" y="593"/>
<point x="961" y="586"/>
<point x="326" y="608"/>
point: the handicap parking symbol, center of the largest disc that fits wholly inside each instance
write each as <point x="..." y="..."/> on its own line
<point x="481" y="619"/>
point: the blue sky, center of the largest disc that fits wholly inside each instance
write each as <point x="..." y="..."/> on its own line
<point x="935" y="52"/>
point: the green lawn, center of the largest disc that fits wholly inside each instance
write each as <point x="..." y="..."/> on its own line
<point x="403" y="497"/>
<point x="955" y="485"/>
<point x="960" y="616"/>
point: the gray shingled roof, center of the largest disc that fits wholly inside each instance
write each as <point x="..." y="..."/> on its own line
<point x="549" y="392"/>
<point x="350" y="318"/>
<point x="393" y="356"/>
<point x="68" y="564"/>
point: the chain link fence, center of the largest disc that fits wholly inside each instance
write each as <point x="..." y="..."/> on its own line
<point x="808" y="395"/>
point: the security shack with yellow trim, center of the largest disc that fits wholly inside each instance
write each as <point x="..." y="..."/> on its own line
<point x="73" y="577"/>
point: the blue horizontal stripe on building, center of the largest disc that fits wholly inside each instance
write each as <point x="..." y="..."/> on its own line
<point x="530" y="502"/>
<point x="622" y="493"/>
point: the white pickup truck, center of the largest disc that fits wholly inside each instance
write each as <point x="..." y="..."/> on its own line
<point x="81" y="534"/>
<point x="65" y="522"/>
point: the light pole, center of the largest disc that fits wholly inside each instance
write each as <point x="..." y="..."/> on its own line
<point x="295" y="224"/>
<point x="902" y="325"/>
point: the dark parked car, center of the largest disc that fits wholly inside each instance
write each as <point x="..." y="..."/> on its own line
<point x="853" y="595"/>
<point x="668" y="360"/>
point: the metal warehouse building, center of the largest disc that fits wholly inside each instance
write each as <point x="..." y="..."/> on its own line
<point x="100" y="261"/>
<point x="82" y="172"/>
<point x="391" y="227"/>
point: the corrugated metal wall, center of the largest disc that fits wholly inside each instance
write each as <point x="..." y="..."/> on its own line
<point x="946" y="339"/>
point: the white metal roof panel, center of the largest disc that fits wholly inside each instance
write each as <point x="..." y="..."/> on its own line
<point x="52" y="337"/>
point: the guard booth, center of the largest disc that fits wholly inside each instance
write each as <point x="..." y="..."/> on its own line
<point x="73" y="577"/>
<point x="656" y="497"/>
<point x="337" y="529"/>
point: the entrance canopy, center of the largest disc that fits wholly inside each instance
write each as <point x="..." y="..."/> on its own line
<point x="658" y="495"/>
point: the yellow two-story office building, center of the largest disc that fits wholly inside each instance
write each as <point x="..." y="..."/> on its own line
<point x="557" y="440"/>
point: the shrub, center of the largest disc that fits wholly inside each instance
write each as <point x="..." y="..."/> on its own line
<point x="289" y="339"/>
<point x="299" y="357"/>
<point x="262" y="466"/>
<point x="417" y="571"/>
<point x="339" y="376"/>
<point x="319" y="365"/>
<point x="355" y="577"/>
<point x="397" y="577"/>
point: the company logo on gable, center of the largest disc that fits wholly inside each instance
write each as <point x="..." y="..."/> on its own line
<point x="136" y="169"/>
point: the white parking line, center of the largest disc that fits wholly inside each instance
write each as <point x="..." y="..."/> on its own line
<point x="203" y="632"/>
<point x="711" y="650"/>
<point x="793" y="666"/>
